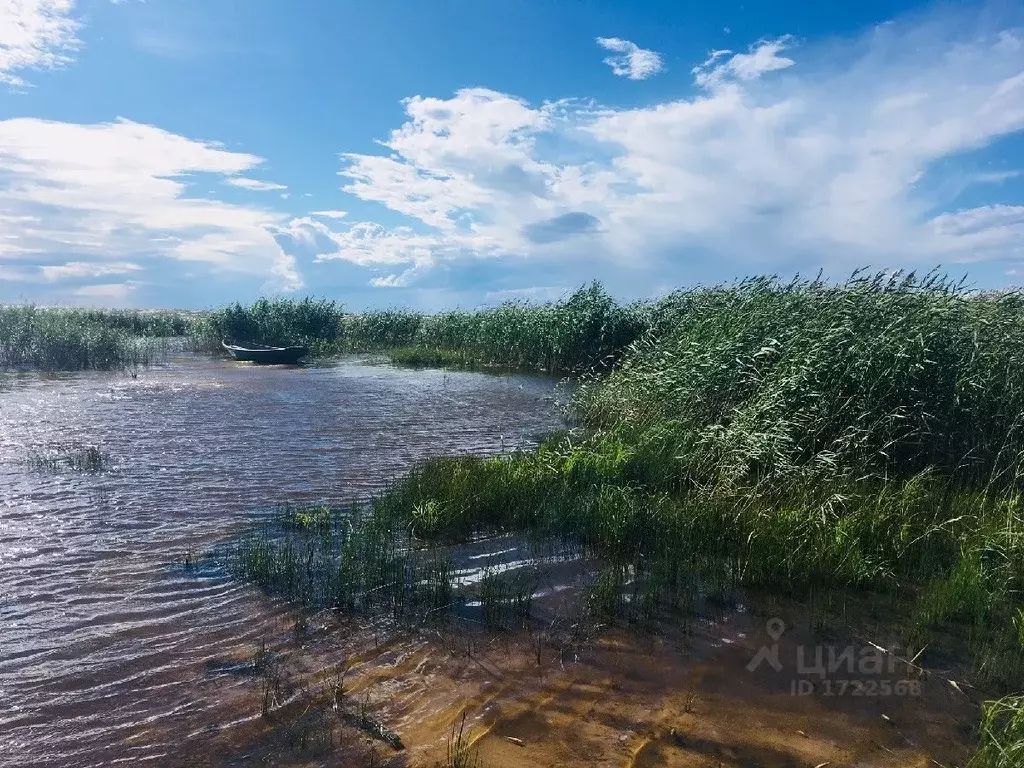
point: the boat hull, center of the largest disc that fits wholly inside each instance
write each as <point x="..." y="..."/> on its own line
<point x="268" y="356"/>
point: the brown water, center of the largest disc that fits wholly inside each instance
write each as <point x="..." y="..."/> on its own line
<point x="110" y="648"/>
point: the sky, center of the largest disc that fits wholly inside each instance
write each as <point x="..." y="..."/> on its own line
<point x="191" y="153"/>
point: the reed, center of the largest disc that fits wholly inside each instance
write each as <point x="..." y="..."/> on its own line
<point x="345" y="559"/>
<point x="64" y="339"/>
<point x="803" y="439"/>
<point x="789" y="437"/>
<point x="271" y="321"/>
<point x="1001" y="734"/>
<point x="461" y="753"/>
<point x="585" y="331"/>
<point x="85" y="459"/>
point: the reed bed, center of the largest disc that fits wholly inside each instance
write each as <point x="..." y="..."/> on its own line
<point x="62" y="339"/>
<point x="800" y="439"/>
<point x="585" y="331"/>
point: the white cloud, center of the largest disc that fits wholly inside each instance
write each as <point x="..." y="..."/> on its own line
<point x="35" y="34"/>
<point x="826" y="164"/>
<point x="630" y="60"/>
<point x="722" y="66"/>
<point x="330" y="214"/>
<point x="253" y="184"/>
<point x="110" y="294"/>
<point x="87" y="191"/>
<point x="84" y="269"/>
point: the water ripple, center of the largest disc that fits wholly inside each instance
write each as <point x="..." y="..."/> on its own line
<point x="108" y="645"/>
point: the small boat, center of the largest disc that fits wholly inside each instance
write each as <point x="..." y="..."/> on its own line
<point x="261" y="354"/>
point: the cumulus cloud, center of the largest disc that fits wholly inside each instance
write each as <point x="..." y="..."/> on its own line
<point x="814" y="157"/>
<point x="35" y="34"/>
<point x="85" y="192"/>
<point x="629" y="59"/>
<point x="254" y="185"/>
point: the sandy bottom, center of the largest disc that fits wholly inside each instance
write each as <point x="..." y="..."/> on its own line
<point x="608" y="697"/>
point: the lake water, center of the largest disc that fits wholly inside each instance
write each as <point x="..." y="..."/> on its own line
<point x="106" y="640"/>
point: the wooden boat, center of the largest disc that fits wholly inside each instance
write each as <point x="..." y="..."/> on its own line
<point x="261" y="354"/>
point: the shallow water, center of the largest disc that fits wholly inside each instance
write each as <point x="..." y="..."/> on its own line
<point x="107" y="642"/>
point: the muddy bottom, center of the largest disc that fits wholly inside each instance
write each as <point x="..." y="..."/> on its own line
<point x="692" y="694"/>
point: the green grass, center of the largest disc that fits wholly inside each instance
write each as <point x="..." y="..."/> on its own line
<point x="422" y="357"/>
<point x="788" y="437"/>
<point x="1002" y="734"/>
<point x="585" y="331"/>
<point x="62" y="339"/>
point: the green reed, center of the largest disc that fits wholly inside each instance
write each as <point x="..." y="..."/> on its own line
<point x="585" y="331"/>
<point x="789" y="437"/>
<point x="271" y="321"/>
<point x="66" y="339"/>
<point x="345" y="559"/>
<point x="87" y="459"/>
<point x="802" y="439"/>
<point x="1001" y="734"/>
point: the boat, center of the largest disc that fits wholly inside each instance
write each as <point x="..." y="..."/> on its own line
<point x="261" y="354"/>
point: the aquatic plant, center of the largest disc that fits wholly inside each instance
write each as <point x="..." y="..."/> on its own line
<point x="461" y="752"/>
<point x="800" y="439"/>
<point x="271" y="321"/>
<point x="425" y="357"/>
<point x="85" y="459"/>
<point x="585" y="331"/>
<point x="66" y="339"/>
<point x="789" y="437"/>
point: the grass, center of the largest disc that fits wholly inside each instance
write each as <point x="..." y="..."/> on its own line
<point x="419" y="357"/>
<point x="345" y="559"/>
<point x="585" y="331"/>
<point x="461" y="753"/>
<point x="87" y="459"/>
<point x="62" y="339"/>
<point x="803" y="439"/>
<point x="1002" y="734"/>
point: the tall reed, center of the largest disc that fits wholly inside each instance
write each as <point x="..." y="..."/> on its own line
<point x="795" y="438"/>
<point x="585" y="331"/>
<point x="792" y="437"/>
<point x="80" y="339"/>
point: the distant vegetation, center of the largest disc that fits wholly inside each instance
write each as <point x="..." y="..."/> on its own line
<point x="61" y="339"/>
<point x="585" y="331"/>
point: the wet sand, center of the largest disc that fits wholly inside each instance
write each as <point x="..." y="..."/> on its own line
<point x="620" y="698"/>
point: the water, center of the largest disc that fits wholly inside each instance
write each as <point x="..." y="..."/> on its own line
<point x="109" y="646"/>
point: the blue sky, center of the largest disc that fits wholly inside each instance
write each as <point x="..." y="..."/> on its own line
<point x="188" y="153"/>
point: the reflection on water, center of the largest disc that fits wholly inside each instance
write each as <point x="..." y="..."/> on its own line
<point x="107" y="641"/>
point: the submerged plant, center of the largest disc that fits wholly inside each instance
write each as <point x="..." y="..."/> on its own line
<point x="461" y="752"/>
